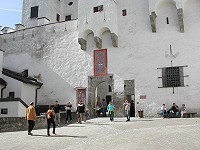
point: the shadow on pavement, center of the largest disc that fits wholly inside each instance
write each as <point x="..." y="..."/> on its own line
<point x="97" y="123"/>
<point x="75" y="126"/>
<point x="58" y="135"/>
<point x="143" y="120"/>
<point x="131" y="120"/>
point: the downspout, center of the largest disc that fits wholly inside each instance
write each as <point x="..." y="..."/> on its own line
<point x="36" y="94"/>
<point x="2" y="90"/>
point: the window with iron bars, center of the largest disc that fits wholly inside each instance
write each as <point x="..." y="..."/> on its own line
<point x="172" y="77"/>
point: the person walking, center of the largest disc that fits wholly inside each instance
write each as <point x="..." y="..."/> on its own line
<point x="69" y="111"/>
<point x="50" y="120"/>
<point x="31" y="117"/>
<point x="57" y="110"/>
<point x="111" y="109"/>
<point x="127" y="106"/>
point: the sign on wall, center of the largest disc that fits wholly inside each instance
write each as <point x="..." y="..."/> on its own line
<point x="143" y="97"/>
<point x="80" y="95"/>
<point x="100" y="62"/>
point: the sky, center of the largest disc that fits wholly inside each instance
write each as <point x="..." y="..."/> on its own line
<point x="10" y="12"/>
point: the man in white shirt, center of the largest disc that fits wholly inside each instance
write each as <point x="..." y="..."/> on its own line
<point x="127" y="109"/>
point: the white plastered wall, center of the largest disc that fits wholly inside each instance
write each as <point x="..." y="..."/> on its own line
<point x="12" y="86"/>
<point x="97" y="22"/>
<point x="28" y="93"/>
<point x="56" y="55"/>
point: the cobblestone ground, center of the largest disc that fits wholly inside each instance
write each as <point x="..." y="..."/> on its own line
<point x="101" y="134"/>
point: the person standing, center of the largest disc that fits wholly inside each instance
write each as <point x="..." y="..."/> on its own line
<point x="69" y="111"/>
<point x="57" y="110"/>
<point x="103" y="107"/>
<point x="50" y="120"/>
<point x="98" y="107"/>
<point x="127" y="106"/>
<point x="81" y="111"/>
<point x="31" y="117"/>
<point x="111" y="109"/>
<point x="163" y="110"/>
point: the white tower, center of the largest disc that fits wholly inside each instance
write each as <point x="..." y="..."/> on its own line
<point x="97" y="16"/>
<point x="39" y="12"/>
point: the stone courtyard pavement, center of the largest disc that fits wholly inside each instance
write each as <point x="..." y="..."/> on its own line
<point x="101" y="134"/>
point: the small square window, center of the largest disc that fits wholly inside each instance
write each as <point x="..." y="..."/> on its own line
<point x="34" y="12"/>
<point x="57" y="17"/>
<point x="12" y="94"/>
<point x="98" y="8"/>
<point x="167" y="19"/>
<point x="124" y="12"/>
<point x="4" y="111"/>
<point x="67" y="18"/>
<point x="70" y="3"/>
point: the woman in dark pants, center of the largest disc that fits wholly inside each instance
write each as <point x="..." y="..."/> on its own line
<point x="50" y="120"/>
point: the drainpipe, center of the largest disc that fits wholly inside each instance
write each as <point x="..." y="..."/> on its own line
<point x="36" y="94"/>
<point x="2" y="90"/>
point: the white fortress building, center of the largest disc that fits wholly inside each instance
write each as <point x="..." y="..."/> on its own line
<point x="147" y="51"/>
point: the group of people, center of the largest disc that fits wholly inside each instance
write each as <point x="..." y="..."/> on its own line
<point x="127" y="109"/>
<point x="53" y="114"/>
<point x="101" y="108"/>
<point x="82" y="112"/>
<point x="173" y="111"/>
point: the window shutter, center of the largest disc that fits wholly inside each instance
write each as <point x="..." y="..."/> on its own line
<point x="164" y="77"/>
<point x="181" y="76"/>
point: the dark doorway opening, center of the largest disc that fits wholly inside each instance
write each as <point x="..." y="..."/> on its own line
<point x="130" y="98"/>
<point x="108" y="98"/>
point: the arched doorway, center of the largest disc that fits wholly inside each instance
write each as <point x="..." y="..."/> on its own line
<point x="103" y="91"/>
<point x="95" y="83"/>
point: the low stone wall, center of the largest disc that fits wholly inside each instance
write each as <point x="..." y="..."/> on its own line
<point x="9" y="124"/>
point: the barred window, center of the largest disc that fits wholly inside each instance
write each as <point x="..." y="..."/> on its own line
<point x="172" y="77"/>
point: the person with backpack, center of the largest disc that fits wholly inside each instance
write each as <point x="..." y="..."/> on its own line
<point x="50" y="120"/>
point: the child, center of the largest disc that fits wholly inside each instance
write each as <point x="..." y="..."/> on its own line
<point x="163" y="111"/>
<point x="183" y="110"/>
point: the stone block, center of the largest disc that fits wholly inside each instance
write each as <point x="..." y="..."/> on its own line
<point x="114" y="38"/>
<point x="98" y="42"/>
<point x="83" y="43"/>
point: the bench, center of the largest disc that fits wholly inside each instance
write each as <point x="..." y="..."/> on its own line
<point x="189" y="114"/>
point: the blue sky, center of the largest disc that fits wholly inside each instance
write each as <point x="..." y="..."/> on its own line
<point x="10" y="12"/>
